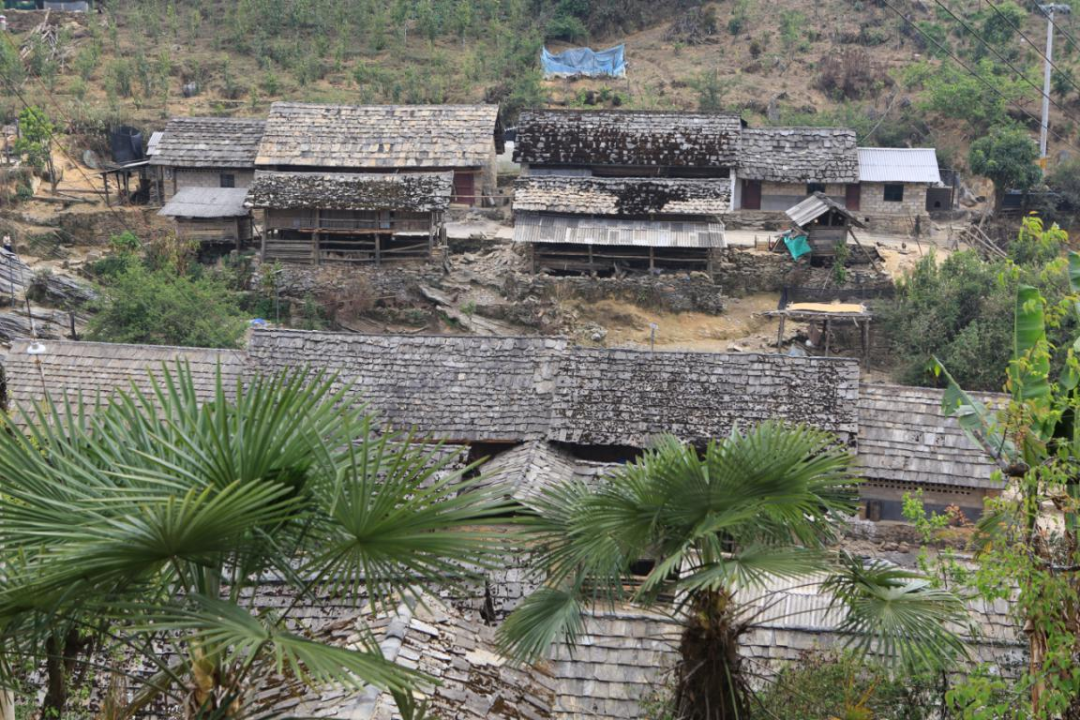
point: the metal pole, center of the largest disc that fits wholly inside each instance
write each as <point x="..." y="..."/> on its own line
<point x="1044" y="128"/>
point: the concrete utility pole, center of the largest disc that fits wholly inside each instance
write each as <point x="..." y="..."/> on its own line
<point x="1049" y="11"/>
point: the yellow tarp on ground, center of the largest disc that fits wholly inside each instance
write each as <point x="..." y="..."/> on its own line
<point x="827" y="307"/>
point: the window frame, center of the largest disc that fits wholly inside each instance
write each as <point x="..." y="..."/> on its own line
<point x="812" y="188"/>
<point x="227" y="180"/>
<point x="895" y="189"/>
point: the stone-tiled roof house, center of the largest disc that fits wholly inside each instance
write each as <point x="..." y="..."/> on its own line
<point x="778" y="167"/>
<point x="207" y="152"/>
<point x="369" y="184"/>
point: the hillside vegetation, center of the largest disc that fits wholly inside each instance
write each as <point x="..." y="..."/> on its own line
<point x="881" y="66"/>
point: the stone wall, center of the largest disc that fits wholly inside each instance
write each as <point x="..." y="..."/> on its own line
<point x="872" y="200"/>
<point x="670" y="293"/>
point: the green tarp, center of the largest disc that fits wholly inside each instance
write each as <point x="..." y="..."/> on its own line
<point x="797" y="246"/>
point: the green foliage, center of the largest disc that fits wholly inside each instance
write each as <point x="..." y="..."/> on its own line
<point x="960" y="310"/>
<point x="951" y="92"/>
<point x="1007" y="156"/>
<point x="999" y="28"/>
<point x="842" y="686"/>
<point x="711" y="90"/>
<point x="155" y="519"/>
<point x="36" y="132"/>
<point x="162" y="307"/>
<point x="753" y="506"/>
<point x="840" y="256"/>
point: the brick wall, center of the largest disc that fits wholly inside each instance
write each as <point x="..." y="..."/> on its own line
<point x="872" y="201"/>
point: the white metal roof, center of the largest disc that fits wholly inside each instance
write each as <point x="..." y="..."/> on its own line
<point x="902" y="165"/>
<point x="152" y="145"/>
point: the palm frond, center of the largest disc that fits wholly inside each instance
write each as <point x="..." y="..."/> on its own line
<point x="545" y="617"/>
<point x="897" y="614"/>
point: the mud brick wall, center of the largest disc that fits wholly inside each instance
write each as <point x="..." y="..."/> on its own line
<point x="612" y="397"/>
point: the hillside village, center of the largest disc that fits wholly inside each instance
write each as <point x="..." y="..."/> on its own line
<point x="393" y="407"/>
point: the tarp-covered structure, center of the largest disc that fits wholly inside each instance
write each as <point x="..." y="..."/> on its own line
<point x="585" y="62"/>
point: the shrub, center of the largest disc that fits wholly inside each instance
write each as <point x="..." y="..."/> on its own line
<point x="850" y="74"/>
<point x="827" y="686"/>
<point x="566" y="27"/>
<point x="159" y="307"/>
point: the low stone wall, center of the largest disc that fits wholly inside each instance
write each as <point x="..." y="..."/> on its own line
<point x="670" y="293"/>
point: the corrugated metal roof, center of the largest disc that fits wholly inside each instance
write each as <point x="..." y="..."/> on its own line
<point x="152" y="144"/>
<point x="586" y="230"/>
<point x="914" y="165"/>
<point x="814" y="207"/>
<point x="199" y="202"/>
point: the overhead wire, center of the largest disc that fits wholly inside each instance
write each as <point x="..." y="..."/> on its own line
<point x="977" y="76"/>
<point x="1035" y="47"/>
<point x="1064" y="32"/>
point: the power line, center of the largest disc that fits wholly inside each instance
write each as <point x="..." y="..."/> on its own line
<point x="1061" y="73"/>
<point x="991" y="48"/>
<point x="975" y="75"/>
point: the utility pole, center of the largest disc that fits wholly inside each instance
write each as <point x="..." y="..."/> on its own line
<point x="1049" y="11"/>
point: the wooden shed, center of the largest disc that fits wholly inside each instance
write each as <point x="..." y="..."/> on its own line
<point x="826" y="223"/>
<point x="350" y="217"/>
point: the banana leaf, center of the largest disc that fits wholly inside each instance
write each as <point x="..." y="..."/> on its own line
<point x="1029" y="371"/>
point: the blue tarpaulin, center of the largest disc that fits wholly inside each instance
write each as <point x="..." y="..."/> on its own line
<point x="585" y="61"/>
<point x="797" y="246"/>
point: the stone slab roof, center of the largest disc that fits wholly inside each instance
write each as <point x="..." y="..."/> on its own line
<point x="473" y="681"/>
<point x="461" y="388"/>
<point x="528" y="388"/>
<point x="799" y="155"/>
<point x="625" y="397"/>
<point x="378" y="136"/>
<point x="533" y="227"/>
<point x="904" y="437"/>
<point x="95" y="370"/>
<point x="622" y="137"/>
<point x="414" y="192"/>
<point x="526" y="470"/>
<point x="623" y="196"/>
<point x="200" y="202"/>
<point x="209" y="142"/>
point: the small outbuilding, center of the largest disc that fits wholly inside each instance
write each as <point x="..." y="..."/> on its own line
<point x="826" y="223"/>
<point x="895" y="186"/>
<point x="215" y="217"/>
<point x="205" y="152"/>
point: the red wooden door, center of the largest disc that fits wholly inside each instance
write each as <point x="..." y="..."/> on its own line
<point x="852" y="196"/>
<point x="465" y="188"/>
<point x="751" y="194"/>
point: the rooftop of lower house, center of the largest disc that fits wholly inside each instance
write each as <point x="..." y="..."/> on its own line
<point x="622" y="196"/>
<point x="209" y="142"/>
<point x="202" y="202"/>
<point x="626" y="137"/>
<point x="300" y="135"/>
<point x="798" y="155"/>
<point x="417" y="192"/>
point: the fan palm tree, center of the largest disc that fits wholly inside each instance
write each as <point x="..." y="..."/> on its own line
<point x="763" y="504"/>
<point x="153" y="520"/>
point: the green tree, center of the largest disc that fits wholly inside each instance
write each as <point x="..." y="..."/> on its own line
<point x="157" y="517"/>
<point x="959" y="309"/>
<point x="1007" y="157"/>
<point x="161" y="307"/>
<point x="36" y="133"/>
<point x="1026" y="555"/>
<point x="755" y="505"/>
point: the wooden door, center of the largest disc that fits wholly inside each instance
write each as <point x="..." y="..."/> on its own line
<point x="852" y="196"/>
<point x="464" y="188"/>
<point x="751" y="194"/>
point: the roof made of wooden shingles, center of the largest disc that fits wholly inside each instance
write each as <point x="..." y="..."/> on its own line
<point x="614" y="137"/>
<point x="209" y="142"/>
<point x="378" y="136"/>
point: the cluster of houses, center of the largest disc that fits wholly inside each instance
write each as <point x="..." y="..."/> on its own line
<point x="597" y="189"/>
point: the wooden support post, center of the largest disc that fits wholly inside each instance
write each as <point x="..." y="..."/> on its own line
<point x="866" y="343"/>
<point x="780" y="333"/>
<point x="108" y="201"/>
<point x="652" y="257"/>
<point x="378" y="253"/>
<point x="828" y="326"/>
<point x="590" y="257"/>
<point x="316" y="237"/>
<point x="262" y="241"/>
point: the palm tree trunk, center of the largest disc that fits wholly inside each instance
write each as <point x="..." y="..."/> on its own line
<point x="709" y="680"/>
<point x="62" y="655"/>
